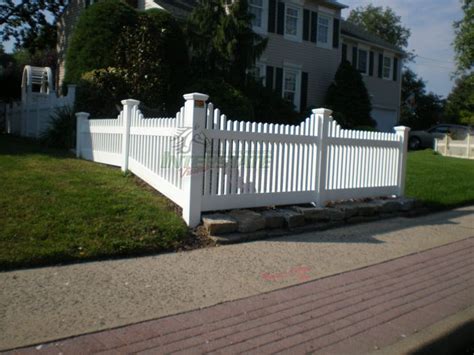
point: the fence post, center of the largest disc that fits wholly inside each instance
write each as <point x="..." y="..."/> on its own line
<point x="468" y="143"/>
<point x="81" y="117"/>
<point x="323" y="116"/>
<point x="403" y="132"/>
<point x="129" y="108"/>
<point x="194" y="120"/>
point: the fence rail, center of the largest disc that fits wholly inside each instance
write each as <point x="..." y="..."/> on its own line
<point x="204" y="162"/>
<point x="456" y="148"/>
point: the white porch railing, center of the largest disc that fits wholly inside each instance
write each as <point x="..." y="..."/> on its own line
<point x="204" y="162"/>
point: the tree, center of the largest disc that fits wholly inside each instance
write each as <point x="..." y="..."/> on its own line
<point x="349" y="99"/>
<point x="222" y="40"/>
<point x="153" y="59"/>
<point x="382" y="22"/>
<point x="464" y="38"/>
<point x="419" y="109"/>
<point x="460" y="102"/>
<point x="95" y="37"/>
<point x="26" y="20"/>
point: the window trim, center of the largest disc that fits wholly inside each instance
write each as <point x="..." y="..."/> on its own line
<point x="330" y="19"/>
<point x="263" y="72"/>
<point x="390" y="73"/>
<point x="262" y="29"/>
<point x="293" y="68"/>
<point x="367" y="52"/>
<point x="299" y="23"/>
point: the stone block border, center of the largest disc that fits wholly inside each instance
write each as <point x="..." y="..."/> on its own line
<point x="252" y="224"/>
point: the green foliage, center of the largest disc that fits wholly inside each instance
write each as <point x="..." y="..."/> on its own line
<point x="464" y="38"/>
<point x="62" y="130"/>
<point x="153" y="60"/>
<point x="460" y="103"/>
<point x="420" y="110"/>
<point x="382" y="22"/>
<point x="349" y="99"/>
<point x="223" y="45"/>
<point x="26" y="21"/>
<point x="269" y="106"/>
<point x="100" y="92"/>
<point x="94" y="40"/>
<point x="230" y="100"/>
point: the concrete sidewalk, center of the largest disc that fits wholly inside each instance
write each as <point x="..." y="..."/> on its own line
<point x="351" y="313"/>
<point x="45" y="304"/>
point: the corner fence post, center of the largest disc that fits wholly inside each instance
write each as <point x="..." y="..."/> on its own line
<point x="129" y="108"/>
<point x="193" y="152"/>
<point x="402" y="132"/>
<point x="81" y="118"/>
<point x="322" y="118"/>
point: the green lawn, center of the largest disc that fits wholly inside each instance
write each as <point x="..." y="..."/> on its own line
<point x="440" y="182"/>
<point x="55" y="208"/>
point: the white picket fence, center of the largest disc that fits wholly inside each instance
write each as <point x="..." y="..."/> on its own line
<point x="32" y="115"/>
<point x="204" y="162"/>
<point x="455" y="148"/>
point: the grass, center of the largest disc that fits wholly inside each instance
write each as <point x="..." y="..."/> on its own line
<point x="55" y="208"/>
<point x="440" y="182"/>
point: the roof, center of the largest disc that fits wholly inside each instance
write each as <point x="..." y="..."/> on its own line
<point x="179" y="8"/>
<point x="351" y="30"/>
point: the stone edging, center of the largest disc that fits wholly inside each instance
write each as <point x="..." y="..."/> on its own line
<point x="244" y="225"/>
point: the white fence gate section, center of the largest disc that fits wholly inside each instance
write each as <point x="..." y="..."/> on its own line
<point x="204" y="162"/>
<point x="31" y="116"/>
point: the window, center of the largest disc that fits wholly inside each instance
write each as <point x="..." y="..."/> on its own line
<point x="256" y="9"/>
<point x="292" y="22"/>
<point x="323" y="29"/>
<point x="362" y="61"/>
<point x="387" y="67"/>
<point x="291" y="86"/>
<point x="259" y="72"/>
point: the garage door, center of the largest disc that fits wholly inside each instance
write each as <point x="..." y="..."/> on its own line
<point x="386" y="119"/>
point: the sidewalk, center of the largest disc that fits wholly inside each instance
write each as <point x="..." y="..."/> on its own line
<point x="41" y="305"/>
<point x="354" y="312"/>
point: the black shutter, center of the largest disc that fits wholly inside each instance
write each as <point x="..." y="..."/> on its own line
<point x="380" y="65"/>
<point x="279" y="81"/>
<point x="314" y="26"/>
<point x="354" y="57"/>
<point x="335" y="36"/>
<point x="87" y="3"/>
<point x="269" y="77"/>
<point x="281" y="18"/>
<point x="344" y="52"/>
<point x="395" y="69"/>
<point x="304" y="91"/>
<point x="271" y="15"/>
<point x="371" y="63"/>
<point x="306" y="25"/>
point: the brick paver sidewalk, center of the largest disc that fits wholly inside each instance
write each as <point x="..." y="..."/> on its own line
<point x="354" y="312"/>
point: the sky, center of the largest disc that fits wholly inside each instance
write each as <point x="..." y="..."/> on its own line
<point x="430" y="22"/>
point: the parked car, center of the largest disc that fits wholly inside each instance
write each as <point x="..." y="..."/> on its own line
<point x="425" y="139"/>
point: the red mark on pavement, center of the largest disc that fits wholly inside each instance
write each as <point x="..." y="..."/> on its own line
<point x="300" y="272"/>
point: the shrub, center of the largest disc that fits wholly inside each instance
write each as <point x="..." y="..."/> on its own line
<point x="230" y="100"/>
<point x="349" y="99"/>
<point x="153" y="60"/>
<point x="62" y="129"/>
<point x="100" y="93"/>
<point x="95" y="37"/>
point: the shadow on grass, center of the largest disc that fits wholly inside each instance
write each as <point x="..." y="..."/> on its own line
<point x="14" y="145"/>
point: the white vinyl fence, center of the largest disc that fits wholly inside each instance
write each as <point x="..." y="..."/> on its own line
<point x="204" y="162"/>
<point x="31" y="116"/>
<point x="455" y="148"/>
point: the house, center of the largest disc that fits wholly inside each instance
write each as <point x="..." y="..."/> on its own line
<point x="307" y="41"/>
